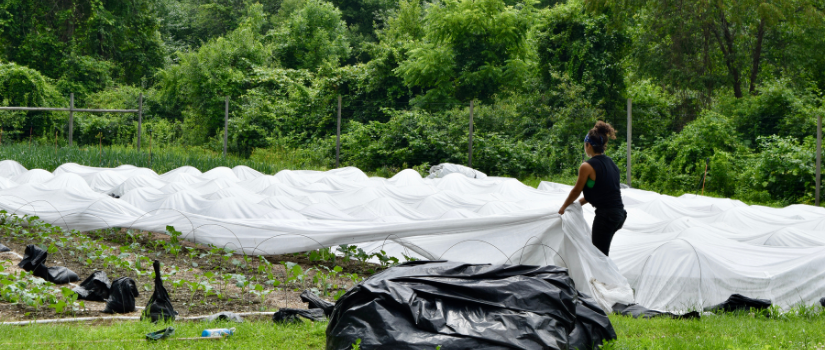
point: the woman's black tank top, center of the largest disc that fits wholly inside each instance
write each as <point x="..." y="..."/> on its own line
<point x="606" y="193"/>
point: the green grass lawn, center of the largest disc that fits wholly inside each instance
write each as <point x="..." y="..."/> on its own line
<point x="711" y="332"/>
<point x="720" y="332"/>
<point x="130" y="335"/>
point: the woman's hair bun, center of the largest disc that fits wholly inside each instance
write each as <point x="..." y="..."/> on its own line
<point x="605" y="130"/>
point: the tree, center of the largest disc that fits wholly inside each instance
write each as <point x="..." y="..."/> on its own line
<point x="690" y="43"/>
<point x="220" y="67"/>
<point x="470" y="49"/>
<point x="186" y="24"/>
<point x="583" y="48"/>
<point x="42" y="34"/>
<point x="364" y="17"/>
<point x="311" y="35"/>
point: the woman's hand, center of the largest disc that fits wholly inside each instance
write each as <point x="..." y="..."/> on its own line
<point x="561" y="210"/>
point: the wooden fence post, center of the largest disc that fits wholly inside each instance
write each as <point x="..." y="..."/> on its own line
<point x="225" y="125"/>
<point x="338" y="136"/>
<point x="140" y="119"/>
<point x="818" y="158"/>
<point x="629" y="138"/>
<point x="470" y="143"/>
<point x="71" y="118"/>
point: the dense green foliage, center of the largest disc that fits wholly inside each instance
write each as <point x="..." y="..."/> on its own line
<point x="469" y="50"/>
<point x="740" y="83"/>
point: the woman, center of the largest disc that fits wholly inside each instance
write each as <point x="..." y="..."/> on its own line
<point x="599" y="180"/>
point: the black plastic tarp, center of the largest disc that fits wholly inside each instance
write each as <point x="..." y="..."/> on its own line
<point x="159" y="306"/>
<point x="315" y="302"/>
<point x="287" y="315"/>
<point x="94" y="288"/>
<point x="34" y="260"/>
<point x="738" y="302"/>
<point x="121" y="296"/>
<point x="426" y="304"/>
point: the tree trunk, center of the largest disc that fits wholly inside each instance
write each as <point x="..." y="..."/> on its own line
<point x="757" y="51"/>
<point x="728" y="51"/>
<point x="706" y="63"/>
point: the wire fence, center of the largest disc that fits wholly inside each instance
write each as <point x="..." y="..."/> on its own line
<point x="370" y="109"/>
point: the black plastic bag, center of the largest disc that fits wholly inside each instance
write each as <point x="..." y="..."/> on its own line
<point x="122" y="296"/>
<point x="34" y="260"/>
<point x="738" y="302"/>
<point x="159" y="305"/>
<point x="636" y="311"/>
<point x="225" y="316"/>
<point x="286" y="315"/>
<point x="465" y="306"/>
<point x="56" y="274"/>
<point x="3" y="248"/>
<point x="94" y="288"/>
<point x="315" y="302"/>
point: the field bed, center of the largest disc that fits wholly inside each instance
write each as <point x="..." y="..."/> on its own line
<point x="201" y="280"/>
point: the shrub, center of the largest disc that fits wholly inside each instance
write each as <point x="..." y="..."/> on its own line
<point x="412" y="138"/>
<point x="784" y="168"/>
<point x="25" y="87"/>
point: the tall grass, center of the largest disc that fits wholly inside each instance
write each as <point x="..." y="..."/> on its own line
<point x="160" y="160"/>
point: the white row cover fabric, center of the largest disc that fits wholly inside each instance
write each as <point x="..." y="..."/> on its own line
<point x="454" y="217"/>
<point x="689" y="252"/>
<point x="444" y="169"/>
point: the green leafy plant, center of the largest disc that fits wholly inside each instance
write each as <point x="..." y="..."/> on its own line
<point x="385" y="260"/>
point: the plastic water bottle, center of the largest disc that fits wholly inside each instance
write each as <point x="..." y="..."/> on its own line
<point x="218" y="332"/>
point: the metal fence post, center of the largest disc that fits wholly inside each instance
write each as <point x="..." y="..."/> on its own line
<point x="470" y="143"/>
<point x="338" y="136"/>
<point x="225" y="124"/>
<point x="71" y="118"/>
<point x="629" y="137"/>
<point x="140" y="119"/>
<point x="818" y="158"/>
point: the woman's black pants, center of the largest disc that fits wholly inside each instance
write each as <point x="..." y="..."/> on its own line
<point x="605" y="225"/>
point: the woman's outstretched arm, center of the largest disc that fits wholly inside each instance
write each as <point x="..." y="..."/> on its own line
<point x="585" y="170"/>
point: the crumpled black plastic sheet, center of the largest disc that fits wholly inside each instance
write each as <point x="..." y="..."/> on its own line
<point x="426" y="304"/>
<point x="159" y="306"/>
<point x="738" y="302"/>
<point x="122" y="296"/>
<point x="636" y="311"/>
<point x="287" y="315"/>
<point x="315" y="302"/>
<point x="34" y="260"/>
<point x="592" y="325"/>
<point x="94" y="288"/>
